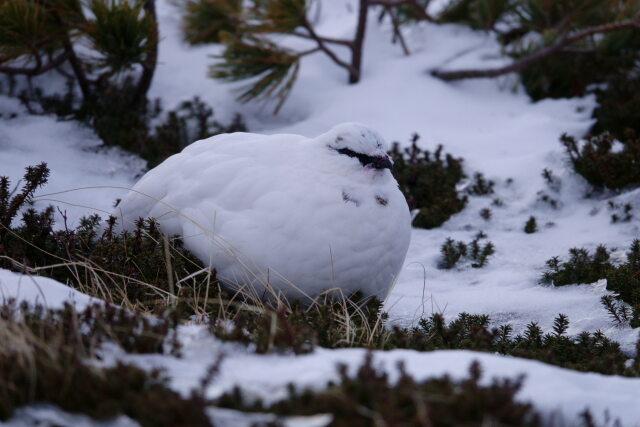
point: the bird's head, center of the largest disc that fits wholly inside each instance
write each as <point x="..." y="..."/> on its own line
<point x="358" y="143"/>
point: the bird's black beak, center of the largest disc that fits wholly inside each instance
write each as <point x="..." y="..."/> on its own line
<point x="382" y="162"/>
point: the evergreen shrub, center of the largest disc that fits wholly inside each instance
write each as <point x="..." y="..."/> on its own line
<point x="584" y="267"/>
<point x="604" y="161"/>
<point x="428" y="180"/>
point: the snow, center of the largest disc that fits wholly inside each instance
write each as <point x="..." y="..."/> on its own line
<point x="85" y="177"/>
<point x="490" y="123"/>
<point x="37" y="290"/>
<point x="49" y="415"/>
<point x="319" y="220"/>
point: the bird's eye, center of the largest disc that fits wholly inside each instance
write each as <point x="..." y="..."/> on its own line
<point x="382" y="162"/>
<point x="363" y="158"/>
<point x="348" y="152"/>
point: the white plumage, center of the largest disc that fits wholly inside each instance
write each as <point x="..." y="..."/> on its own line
<point x="283" y="212"/>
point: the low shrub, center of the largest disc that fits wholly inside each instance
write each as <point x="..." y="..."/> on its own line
<point x="531" y="226"/>
<point x="604" y="161"/>
<point x="428" y="181"/>
<point x="371" y="395"/>
<point x="583" y="267"/>
<point x="480" y="186"/>
<point x="46" y="356"/>
<point x="453" y="251"/>
<point x="357" y="323"/>
<point x="118" y="122"/>
<point x="621" y="212"/>
<point x="332" y="322"/>
<point x="138" y="269"/>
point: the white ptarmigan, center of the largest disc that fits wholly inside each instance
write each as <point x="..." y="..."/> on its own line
<point x="283" y="213"/>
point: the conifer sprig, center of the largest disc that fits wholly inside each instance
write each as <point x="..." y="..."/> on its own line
<point x="274" y="68"/>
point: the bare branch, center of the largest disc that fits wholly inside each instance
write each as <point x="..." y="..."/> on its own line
<point x="38" y="69"/>
<point x="321" y="44"/>
<point x="396" y="31"/>
<point x="524" y="62"/>
<point x="343" y="42"/>
<point x="358" y="42"/>
<point x="76" y="65"/>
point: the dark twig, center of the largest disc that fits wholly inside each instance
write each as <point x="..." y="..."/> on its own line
<point x="38" y="69"/>
<point x="420" y="10"/>
<point x="343" y="42"/>
<point x="396" y="31"/>
<point x="331" y="54"/>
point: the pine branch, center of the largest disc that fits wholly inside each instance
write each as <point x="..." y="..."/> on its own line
<point x="542" y="53"/>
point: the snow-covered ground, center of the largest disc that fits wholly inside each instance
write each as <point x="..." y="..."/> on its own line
<point x="490" y="123"/>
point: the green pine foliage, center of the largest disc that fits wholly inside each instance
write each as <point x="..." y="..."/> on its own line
<point x="622" y="279"/>
<point x="370" y="393"/>
<point x="107" y="49"/>
<point x="204" y="20"/>
<point x="270" y="69"/>
<point x="602" y="164"/>
<point x="451" y="252"/>
<point x="121" y="34"/>
<point x="46" y="356"/>
<point x="428" y="181"/>
<point x="279" y="16"/>
<point x="274" y="68"/>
